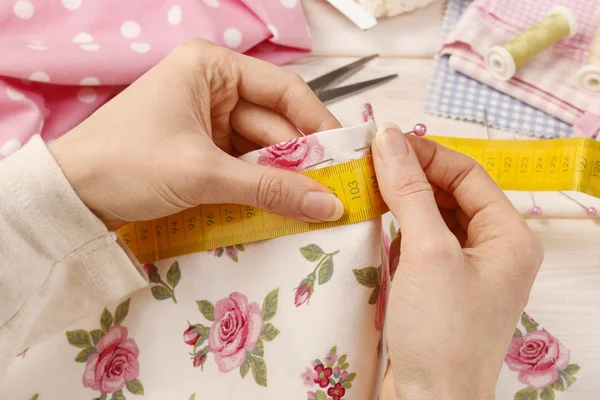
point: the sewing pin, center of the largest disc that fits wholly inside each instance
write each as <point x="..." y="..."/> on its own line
<point x="418" y="130"/>
<point x="589" y="211"/>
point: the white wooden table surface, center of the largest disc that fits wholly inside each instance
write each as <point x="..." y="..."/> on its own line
<point x="566" y="295"/>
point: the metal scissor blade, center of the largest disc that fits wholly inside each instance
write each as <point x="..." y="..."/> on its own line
<point x="339" y="74"/>
<point x="332" y="94"/>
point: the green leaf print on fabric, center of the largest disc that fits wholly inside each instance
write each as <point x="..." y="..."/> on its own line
<point x="35" y="396"/>
<point x="119" y="368"/>
<point x="541" y="361"/>
<point x="321" y="274"/>
<point x="526" y="394"/>
<point x="269" y="307"/>
<point x="192" y="397"/>
<point x="135" y="387"/>
<point x="529" y="324"/>
<point x="374" y="278"/>
<point x="79" y="338"/>
<point x="118" y="396"/>
<point x="122" y="311"/>
<point x="312" y="252"/>
<point x="164" y="290"/>
<point x="106" y="320"/>
<point x="237" y="335"/>
<point x="328" y="378"/>
<point x="207" y="309"/>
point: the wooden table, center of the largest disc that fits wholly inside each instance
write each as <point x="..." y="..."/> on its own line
<point x="566" y="295"/>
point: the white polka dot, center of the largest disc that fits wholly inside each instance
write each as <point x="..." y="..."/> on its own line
<point x="23" y="9"/>
<point x="232" y="37"/>
<point x="212" y="3"/>
<point x="86" y="95"/>
<point x="10" y="147"/>
<point x="14" y="94"/>
<point x="289" y="3"/>
<point x="89" y="81"/>
<point x="36" y="45"/>
<point x="140" y="47"/>
<point x="130" y="29"/>
<point x="71" y="5"/>
<point x="90" y="46"/>
<point x="39" y="76"/>
<point x="174" y="15"/>
<point x="83" y="37"/>
<point x="274" y="31"/>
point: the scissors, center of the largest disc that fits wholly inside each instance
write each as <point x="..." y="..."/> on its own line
<point x="321" y="84"/>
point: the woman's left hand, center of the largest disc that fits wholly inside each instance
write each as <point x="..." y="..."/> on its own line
<point x="168" y="142"/>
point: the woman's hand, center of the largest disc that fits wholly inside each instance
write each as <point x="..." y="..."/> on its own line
<point x="166" y="142"/>
<point x="466" y="261"/>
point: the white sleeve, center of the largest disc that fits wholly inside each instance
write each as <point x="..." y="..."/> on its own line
<point x="58" y="262"/>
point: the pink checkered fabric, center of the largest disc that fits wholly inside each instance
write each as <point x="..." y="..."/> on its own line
<point x="518" y="15"/>
<point x="548" y="82"/>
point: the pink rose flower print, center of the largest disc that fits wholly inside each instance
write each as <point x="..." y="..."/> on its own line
<point x="199" y="360"/>
<point x="541" y="360"/>
<point x="110" y="356"/>
<point x="302" y="294"/>
<point x="235" y="330"/>
<point x="115" y="363"/>
<point x="237" y="334"/>
<point x="538" y="357"/>
<point x="191" y="335"/>
<point x="294" y="155"/>
<point x="329" y="376"/>
<point x="320" y="275"/>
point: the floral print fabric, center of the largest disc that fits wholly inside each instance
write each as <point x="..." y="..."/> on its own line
<point x="296" y="317"/>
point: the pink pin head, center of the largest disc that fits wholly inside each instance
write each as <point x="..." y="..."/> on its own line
<point x="536" y="211"/>
<point x="591" y="211"/>
<point x="420" y="129"/>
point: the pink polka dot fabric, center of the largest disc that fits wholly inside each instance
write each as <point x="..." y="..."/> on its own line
<point x="62" y="59"/>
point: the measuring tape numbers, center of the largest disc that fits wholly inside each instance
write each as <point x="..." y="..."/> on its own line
<point x="524" y="165"/>
<point x="213" y="226"/>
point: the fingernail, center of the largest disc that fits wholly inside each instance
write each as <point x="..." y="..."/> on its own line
<point x="390" y="141"/>
<point x="322" y="206"/>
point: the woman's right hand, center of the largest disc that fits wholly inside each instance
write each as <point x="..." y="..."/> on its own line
<point x="466" y="261"/>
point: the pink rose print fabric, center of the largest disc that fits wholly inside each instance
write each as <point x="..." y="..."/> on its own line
<point x="110" y="356"/>
<point x="549" y="81"/>
<point x="541" y="361"/>
<point x="61" y="60"/>
<point x="295" y="155"/>
<point x="295" y="317"/>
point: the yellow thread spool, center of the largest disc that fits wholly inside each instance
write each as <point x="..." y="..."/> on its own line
<point x="589" y="76"/>
<point x="502" y="61"/>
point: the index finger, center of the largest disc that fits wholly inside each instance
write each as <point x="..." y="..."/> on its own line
<point x="463" y="177"/>
<point x="285" y="91"/>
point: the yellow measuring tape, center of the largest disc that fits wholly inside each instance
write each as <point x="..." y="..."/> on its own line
<point x="525" y="165"/>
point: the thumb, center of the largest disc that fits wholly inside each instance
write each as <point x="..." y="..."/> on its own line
<point x="404" y="186"/>
<point x="285" y="193"/>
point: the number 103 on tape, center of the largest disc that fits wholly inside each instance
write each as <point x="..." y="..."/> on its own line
<point x="524" y="165"/>
<point x="212" y="226"/>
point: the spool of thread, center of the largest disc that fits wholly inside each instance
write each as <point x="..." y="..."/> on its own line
<point x="502" y="61"/>
<point x="588" y="78"/>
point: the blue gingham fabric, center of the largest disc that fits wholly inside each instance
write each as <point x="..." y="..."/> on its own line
<point x="454" y="95"/>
